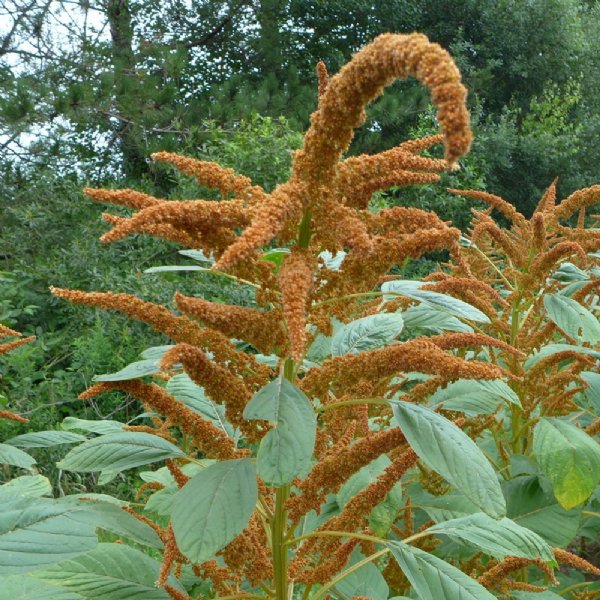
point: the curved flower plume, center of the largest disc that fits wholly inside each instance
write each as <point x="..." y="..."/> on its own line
<point x="328" y="193"/>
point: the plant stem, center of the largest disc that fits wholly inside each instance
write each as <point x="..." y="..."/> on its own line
<point x="304" y="231"/>
<point x="279" y="527"/>
<point x="347" y="572"/>
<point x="280" y="550"/>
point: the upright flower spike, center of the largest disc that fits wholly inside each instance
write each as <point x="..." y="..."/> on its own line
<point x="295" y="279"/>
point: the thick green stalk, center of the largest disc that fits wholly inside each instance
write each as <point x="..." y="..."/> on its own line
<point x="280" y="517"/>
<point x="279" y="531"/>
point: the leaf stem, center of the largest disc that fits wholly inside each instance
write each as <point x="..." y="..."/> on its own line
<point x="349" y="571"/>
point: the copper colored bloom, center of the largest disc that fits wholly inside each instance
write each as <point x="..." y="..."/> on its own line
<point x="126" y="197"/>
<point x="218" y="382"/>
<point x="213" y="441"/>
<point x="9" y="346"/>
<point x="209" y="174"/>
<point x="295" y="279"/>
<point x="260" y="328"/>
<point x="5" y="414"/>
<point x="419" y="355"/>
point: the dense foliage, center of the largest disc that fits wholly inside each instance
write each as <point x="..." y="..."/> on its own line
<point x="336" y="430"/>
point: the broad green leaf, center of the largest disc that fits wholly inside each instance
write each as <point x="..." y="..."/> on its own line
<point x="113" y="518"/>
<point x="497" y="538"/>
<point x="569" y="458"/>
<point x="592" y="393"/>
<point x="427" y="320"/>
<point x="45" y="439"/>
<point x="214" y="507"/>
<point x="366" y="581"/>
<point x="110" y="572"/>
<point x="443" y="508"/>
<point x="118" y="451"/>
<point x="75" y="499"/>
<point x="9" y="455"/>
<point x="28" y="485"/>
<point x="567" y="271"/>
<point x="101" y="426"/>
<point x="192" y="395"/>
<point x="35" y="532"/>
<point x="320" y="349"/>
<point x="373" y="331"/>
<point x="135" y="370"/>
<point x="443" y="447"/>
<point x="384" y="514"/>
<point x="550" y="349"/>
<point x="286" y="451"/>
<point x="443" y="302"/>
<point x="156" y="352"/>
<point x="161" y="501"/>
<point x="433" y="579"/>
<point x="474" y="397"/>
<point x="529" y="505"/>
<point x="25" y="587"/>
<point x="574" y="319"/>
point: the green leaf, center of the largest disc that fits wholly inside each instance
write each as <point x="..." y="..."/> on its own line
<point x="442" y="302"/>
<point x="35" y="532"/>
<point x="156" y="352"/>
<point x="28" y="485"/>
<point x="135" y="370"/>
<point x="529" y="505"/>
<point x="424" y="319"/>
<point x="433" y="579"/>
<point x="192" y="395"/>
<point x="366" y="581"/>
<point x="111" y="517"/>
<point x="361" y="479"/>
<point x="161" y="501"/>
<point x="102" y="426"/>
<point x="569" y="458"/>
<point x="373" y="331"/>
<point x="320" y="349"/>
<point x="171" y="268"/>
<point x="45" y="439"/>
<point x="276" y="255"/>
<point x="574" y="319"/>
<point x="497" y="538"/>
<point x="24" y="587"/>
<point x="443" y="447"/>
<point x="443" y="508"/>
<point x="474" y="397"/>
<point x="118" y="451"/>
<point x="592" y="393"/>
<point x="9" y="455"/>
<point x="286" y="451"/>
<point x="384" y="514"/>
<point x="214" y="507"/>
<point x="196" y="255"/>
<point x="550" y="349"/>
<point x="110" y="572"/>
